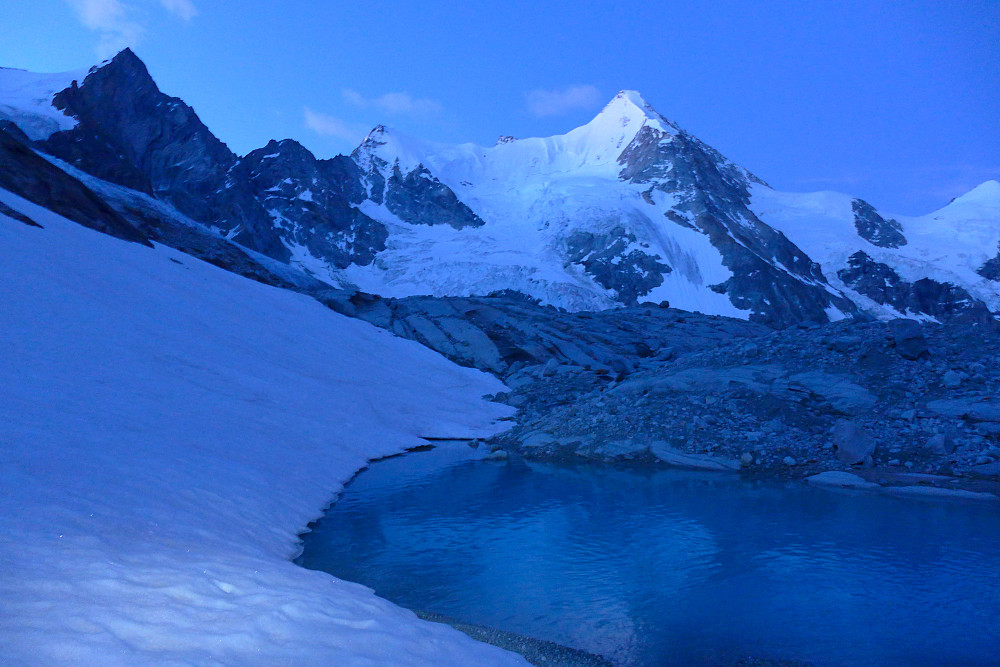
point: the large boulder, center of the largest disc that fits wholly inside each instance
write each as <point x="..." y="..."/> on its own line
<point x="940" y="443"/>
<point x="854" y="445"/>
<point x="908" y="337"/>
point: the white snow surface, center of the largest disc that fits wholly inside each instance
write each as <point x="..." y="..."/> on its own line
<point x="948" y="245"/>
<point x="532" y="195"/>
<point x="26" y="100"/>
<point x="167" y="429"/>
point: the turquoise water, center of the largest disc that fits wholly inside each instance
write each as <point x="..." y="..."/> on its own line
<point x="672" y="567"/>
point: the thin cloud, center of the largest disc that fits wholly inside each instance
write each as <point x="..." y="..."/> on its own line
<point x="329" y="126"/>
<point x="183" y="9"/>
<point x="558" y="102"/>
<point x="119" y="25"/>
<point x="396" y="104"/>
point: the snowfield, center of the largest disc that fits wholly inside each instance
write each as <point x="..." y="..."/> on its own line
<point x="26" y="100"/>
<point x="167" y="429"/>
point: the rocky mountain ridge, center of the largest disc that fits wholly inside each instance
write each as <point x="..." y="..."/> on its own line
<point x="627" y="209"/>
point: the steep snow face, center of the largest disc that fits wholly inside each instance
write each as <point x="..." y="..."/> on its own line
<point x="26" y="100"/>
<point x="558" y="222"/>
<point x="166" y="430"/>
<point x="950" y="246"/>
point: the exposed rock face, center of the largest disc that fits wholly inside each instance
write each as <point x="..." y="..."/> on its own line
<point x="131" y="134"/>
<point x="412" y="194"/>
<point x="771" y="276"/>
<point x="308" y="202"/>
<point x="34" y="178"/>
<point x="421" y="199"/>
<point x="991" y="269"/>
<point x="874" y="228"/>
<point x="616" y="263"/>
<point x="882" y="284"/>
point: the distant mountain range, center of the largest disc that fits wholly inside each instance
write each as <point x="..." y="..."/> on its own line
<point x="626" y="209"/>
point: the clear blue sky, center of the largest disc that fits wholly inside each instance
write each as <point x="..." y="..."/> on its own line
<point x="896" y="102"/>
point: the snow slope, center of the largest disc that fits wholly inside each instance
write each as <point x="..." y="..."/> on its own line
<point x="26" y="100"/>
<point x="533" y="194"/>
<point x="948" y="245"/>
<point x="166" y="430"/>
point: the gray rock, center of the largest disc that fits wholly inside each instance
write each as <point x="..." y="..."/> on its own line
<point x="909" y="340"/>
<point x="853" y="444"/>
<point x="789" y="461"/>
<point x="940" y="443"/>
<point x="970" y="409"/>
<point x="675" y="457"/>
<point x="840" y="479"/>
<point x="620" y="449"/>
<point x="952" y="380"/>
<point x="537" y="439"/>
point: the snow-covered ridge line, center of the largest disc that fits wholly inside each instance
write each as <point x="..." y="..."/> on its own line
<point x="167" y="429"/>
<point x="628" y="208"/>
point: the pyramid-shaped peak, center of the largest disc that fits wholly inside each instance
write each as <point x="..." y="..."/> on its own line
<point x="630" y="109"/>
<point x="629" y="102"/>
<point x="634" y="98"/>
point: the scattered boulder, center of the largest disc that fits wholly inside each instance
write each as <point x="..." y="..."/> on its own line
<point x="853" y="444"/>
<point x="908" y="337"/>
<point x="940" y="443"/>
<point x="952" y="380"/>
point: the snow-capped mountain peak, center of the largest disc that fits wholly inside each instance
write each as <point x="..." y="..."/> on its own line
<point x="629" y="106"/>
<point x="984" y="194"/>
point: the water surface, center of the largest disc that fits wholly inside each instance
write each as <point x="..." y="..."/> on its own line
<point x="672" y="567"/>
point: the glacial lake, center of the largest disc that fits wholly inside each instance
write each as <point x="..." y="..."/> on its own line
<point x="671" y="567"/>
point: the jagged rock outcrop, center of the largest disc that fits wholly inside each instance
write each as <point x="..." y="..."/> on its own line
<point x="130" y="133"/>
<point x="875" y="229"/>
<point x="308" y="203"/>
<point x="418" y="197"/>
<point x="883" y="285"/>
<point x="991" y="269"/>
<point x="772" y="277"/>
<point x="616" y="263"/>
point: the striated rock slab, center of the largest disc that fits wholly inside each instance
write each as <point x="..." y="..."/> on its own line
<point x="840" y="479"/>
<point x="675" y="457"/>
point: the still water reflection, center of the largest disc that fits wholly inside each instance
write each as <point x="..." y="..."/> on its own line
<point x="672" y="567"/>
